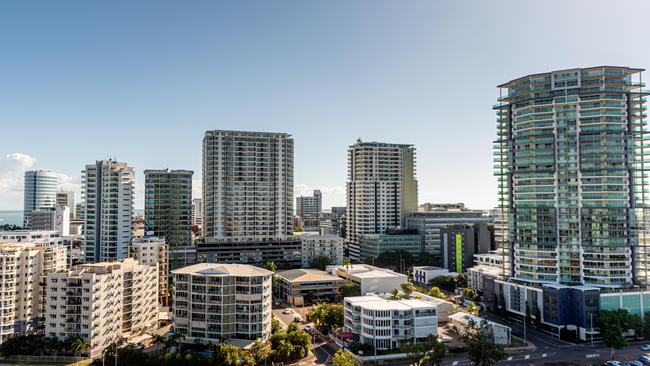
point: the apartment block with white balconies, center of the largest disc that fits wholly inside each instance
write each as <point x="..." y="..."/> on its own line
<point x="218" y="302"/>
<point x="102" y="302"/>
<point x="384" y="324"/>
<point x="152" y="251"/>
<point x="22" y="267"/>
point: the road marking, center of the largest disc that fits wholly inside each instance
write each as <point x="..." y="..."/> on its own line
<point x="455" y="363"/>
<point x="544" y="355"/>
<point x="509" y="358"/>
<point x="527" y="357"/>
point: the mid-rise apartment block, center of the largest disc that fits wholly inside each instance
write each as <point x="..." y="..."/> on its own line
<point x="248" y="196"/>
<point x="385" y="324"/>
<point x="218" y="302"/>
<point x="314" y="246"/>
<point x="66" y="198"/>
<point x="102" y="302"/>
<point x="381" y="189"/>
<point x="153" y="251"/>
<point x="40" y="192"/>
<point x="108" y="197"/>
<point x="22" y="267"/>
<point x="308" y="208"/>
<point x="168" y="208"/>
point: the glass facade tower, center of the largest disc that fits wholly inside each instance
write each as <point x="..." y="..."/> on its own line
<point x="569" y="159"/>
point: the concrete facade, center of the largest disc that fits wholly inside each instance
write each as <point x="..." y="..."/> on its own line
<point x="313" y="246"/>
<point x="153" y="251"/>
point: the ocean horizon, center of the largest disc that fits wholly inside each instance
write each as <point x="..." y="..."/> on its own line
<point x="11" y="217"/>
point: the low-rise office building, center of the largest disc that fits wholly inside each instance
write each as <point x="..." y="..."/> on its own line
<point x="153" y="251"/>
<point x="301" y="285"/>
<point x="385" y="324"/>
<point x="218" y="302"/>
<point x="22" y="267"/>
<point x="314" y="246"/>
<point x="499" y="333"/>
<point x="102" y="302"/>
<point x="370" y="279"/>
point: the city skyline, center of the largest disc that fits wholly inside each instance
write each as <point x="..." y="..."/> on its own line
<point x="151" y="87"/>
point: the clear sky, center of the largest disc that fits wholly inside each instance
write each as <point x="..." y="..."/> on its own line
<point x="142" y="80"/>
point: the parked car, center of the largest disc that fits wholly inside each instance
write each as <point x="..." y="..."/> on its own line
<point x="645" y="347"/>
<point x="286" y="311"/>
<point x="636" y="363"/>
<point x="645" y="359"/>
<point x="613" y="363"/>
<point x="297" y="319"/>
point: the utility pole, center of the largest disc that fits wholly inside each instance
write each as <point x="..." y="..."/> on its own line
<point x="591" y="320"/>
<point x="524" y="318"/>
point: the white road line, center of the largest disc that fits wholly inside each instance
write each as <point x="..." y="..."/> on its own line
<point x="527" y="357"/>
<point x="509" y="358"/>
<point x="455" y="363"/>
<point x="544" y="355"/>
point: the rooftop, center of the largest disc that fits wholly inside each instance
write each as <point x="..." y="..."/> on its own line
<point x="375" y="302"/>
<point x="208" y="269"/>
<point x="307" y="275"/>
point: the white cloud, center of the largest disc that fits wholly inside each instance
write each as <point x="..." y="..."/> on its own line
<point x="332" y="196"/>
<point x="12" y="176"/>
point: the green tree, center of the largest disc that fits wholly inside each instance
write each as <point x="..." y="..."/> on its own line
<point x="326" y="316"/>
<point x="503" y="310"/>
<point x="271" y="266"/>
<point x="260" y="352"/>
<point x="481" y="349"/>
<point x="407" y="288"/>
<point x="343" y="358"/>
<point x="472" y="309"/>
<point x="538" y="316"/>
<point x="528" y="317"/>
<point x="395" y="295"/>
<point x="447" y="283"/>
<point x="435" y="292"/>
<point x="350" y="289"/>
<point x="298" y="229"/>
<point x="275" y="325"/>
<point x="321" y="262"/>
<point x="430" y="352"/>
<point x="646" y="324"/>
<point x="612" y="326"/>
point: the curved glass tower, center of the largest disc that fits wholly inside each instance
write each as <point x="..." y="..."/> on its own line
<point x="569" y="158"/>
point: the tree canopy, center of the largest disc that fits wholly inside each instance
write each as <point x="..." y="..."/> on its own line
<point x="481" y="349"/>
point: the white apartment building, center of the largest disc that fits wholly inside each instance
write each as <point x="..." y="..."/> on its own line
<point x="42" y="237"/>
<point x="102" y="302"/>
<point x="218" y="302"/>
<point x="247" y="186"/>
<point x="22" y="267"/>
<point x="40" y="192"/>
<point x="381" y="189"/>
<point x="54" y="218"/>
<point x="314" y="246"/>
<point x="384" y="324"/>
<point x="370" y="279"/>
<point x="490" y="264"/>
<point x="152" y="251"/>
<point x="500" y="334"/>
<point x="107" y="196"/>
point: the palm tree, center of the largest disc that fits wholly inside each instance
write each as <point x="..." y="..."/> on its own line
<point x="79" y="346"/>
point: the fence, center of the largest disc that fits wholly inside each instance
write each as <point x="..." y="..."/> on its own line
<point x="56" y="359"/>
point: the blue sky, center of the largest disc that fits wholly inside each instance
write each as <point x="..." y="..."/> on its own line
<point x="142" y="80"/>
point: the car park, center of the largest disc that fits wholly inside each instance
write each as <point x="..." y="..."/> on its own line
<point x="636" y="363"/>
<point x="645" y="347"/>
